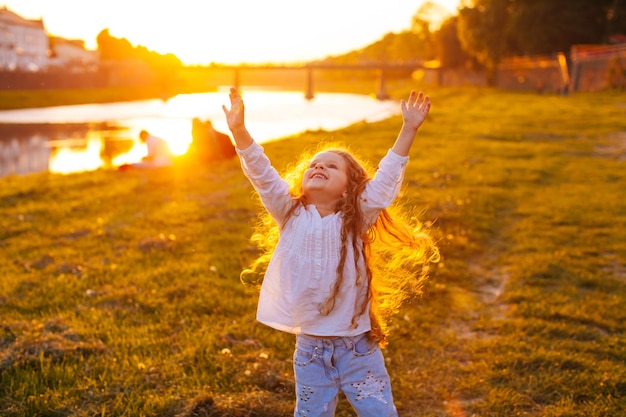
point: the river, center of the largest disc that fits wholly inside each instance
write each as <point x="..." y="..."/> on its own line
<point x="69" y="139"/>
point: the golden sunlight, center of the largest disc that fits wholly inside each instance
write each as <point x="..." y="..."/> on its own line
<point x="451" y="5"/>
<point x="74" y="159"/>
<point x="230" y="32"/>
<point x="68" y="157"/>
<point x="437" y="11"/>
<point x="175" y="131"/>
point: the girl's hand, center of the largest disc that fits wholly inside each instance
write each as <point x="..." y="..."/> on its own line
<point x="234" y="116"/>
<point x="414" y="111"/>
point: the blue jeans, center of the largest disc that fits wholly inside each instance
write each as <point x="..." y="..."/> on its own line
<point x="354" y="365"/>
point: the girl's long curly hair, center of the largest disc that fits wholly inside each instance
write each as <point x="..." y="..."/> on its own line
<point x="396" y="250"/>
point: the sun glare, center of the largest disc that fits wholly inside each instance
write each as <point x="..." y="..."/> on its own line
<point x="230" y="32"/>
<point x="84" y="158"/>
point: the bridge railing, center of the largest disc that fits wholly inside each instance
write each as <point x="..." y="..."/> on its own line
<point x="309" y="69"/>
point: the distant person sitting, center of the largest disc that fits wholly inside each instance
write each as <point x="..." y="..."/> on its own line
<point x="158" y="155"/>
<point x="209" y="144"/>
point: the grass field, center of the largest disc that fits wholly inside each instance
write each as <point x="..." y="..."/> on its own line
<point x="120" y="291"/>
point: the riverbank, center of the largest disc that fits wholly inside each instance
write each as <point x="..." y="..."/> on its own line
<point x="24" y="99"/>
<point x="121" y="293"/>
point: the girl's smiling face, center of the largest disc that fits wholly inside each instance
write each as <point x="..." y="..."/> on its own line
<point x="326" y="177"/>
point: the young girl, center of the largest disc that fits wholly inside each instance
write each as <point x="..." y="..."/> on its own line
<point x="339" y="262"/>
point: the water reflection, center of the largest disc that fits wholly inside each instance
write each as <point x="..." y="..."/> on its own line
<point x="68" y="139"/>
<point x="60" y="148"/>
<point x="24" y="156"/>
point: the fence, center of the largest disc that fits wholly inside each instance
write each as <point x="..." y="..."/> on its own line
<point x="596" y="67"/>
<point x="589" y="68"/>
<point x="537" y="72"/>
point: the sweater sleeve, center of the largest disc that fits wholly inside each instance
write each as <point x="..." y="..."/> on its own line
<point x="383" y="189"/>
<point x="273" y="190"/>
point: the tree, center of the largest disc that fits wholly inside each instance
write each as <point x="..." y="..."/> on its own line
<point x="164" y="68"/>
<point x="392" y="47"/>
<point x="616" y="18"/>
<point x="430" y="15"/>
<point x="541" y="27"/>
<point x="424" y="22"/>
<point x="119" y="49"/>
<point x="492" y="29"/>
<point x="111" y="48"/>
<point x="409" y="46"/>
<point x="482" y="31"/>
<point x="448" y="48"/>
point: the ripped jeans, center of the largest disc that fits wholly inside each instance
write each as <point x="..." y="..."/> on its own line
<point x="354" y="365"/>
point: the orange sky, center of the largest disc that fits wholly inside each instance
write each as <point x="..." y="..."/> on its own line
<point x="229" y="31"/>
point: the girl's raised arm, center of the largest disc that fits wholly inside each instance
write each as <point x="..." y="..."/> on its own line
<point x="235" y="120"/>
<point x="414" y="113"/>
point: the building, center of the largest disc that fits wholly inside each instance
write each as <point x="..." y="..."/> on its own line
<point x="24" y="44"/>
<point x="71" y="54"/>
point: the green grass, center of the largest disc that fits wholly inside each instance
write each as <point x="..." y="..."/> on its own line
<point x="120" y="293"/>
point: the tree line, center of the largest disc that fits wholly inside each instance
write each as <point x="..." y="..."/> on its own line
<point x="480" y="35"/>
<point x="484" y="32"/>
<point x="120" y="50"/>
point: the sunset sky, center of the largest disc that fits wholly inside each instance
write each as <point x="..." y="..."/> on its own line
<point x="230" y="31"/>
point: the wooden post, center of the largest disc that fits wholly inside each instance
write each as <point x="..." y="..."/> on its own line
<point x="565" y="80"/>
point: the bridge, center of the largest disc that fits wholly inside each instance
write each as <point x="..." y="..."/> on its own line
<point x="381" y="69"/>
